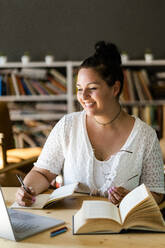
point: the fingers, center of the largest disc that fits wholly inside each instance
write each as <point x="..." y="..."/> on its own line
<point x="116" y="194"/>
<point x="25" y="199"/>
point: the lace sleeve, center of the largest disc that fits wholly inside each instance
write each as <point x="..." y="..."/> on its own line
<point x="152" y="170"/>
<point x="52" y="155"/>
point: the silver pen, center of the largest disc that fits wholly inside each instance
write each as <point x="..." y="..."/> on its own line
<point x="22" y="184"/>
<point x="132" y="177"/>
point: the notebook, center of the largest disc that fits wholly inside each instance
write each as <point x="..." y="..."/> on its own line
<point x="17" y="225"/>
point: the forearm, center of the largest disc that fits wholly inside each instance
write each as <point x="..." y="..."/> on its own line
<point x="158" y="197"/>
<point x="38" y="179"/>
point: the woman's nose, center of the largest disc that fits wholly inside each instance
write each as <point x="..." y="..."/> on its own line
<point x="85" y="94"/>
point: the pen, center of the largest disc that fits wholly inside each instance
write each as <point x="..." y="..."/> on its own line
<point x="58" y="231"/>
<point x="22" y="184"/>
<point x="132" y="177"/>
<point x="129" y="179"/>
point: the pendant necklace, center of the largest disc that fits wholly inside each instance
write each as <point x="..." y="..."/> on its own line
<point x="108" y="123"/>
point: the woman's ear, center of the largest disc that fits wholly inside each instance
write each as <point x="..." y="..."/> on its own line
<point x="116" y="88"/>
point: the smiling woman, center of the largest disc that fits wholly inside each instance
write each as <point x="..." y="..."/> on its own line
<point x="102" y="147"/>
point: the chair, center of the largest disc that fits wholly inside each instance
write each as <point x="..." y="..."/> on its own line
<point x="13" y="160"/>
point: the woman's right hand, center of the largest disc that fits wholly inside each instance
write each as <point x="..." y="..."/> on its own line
<point x="25" y="199"/>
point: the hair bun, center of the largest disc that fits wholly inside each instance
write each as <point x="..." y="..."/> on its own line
<point x="108" y="52"/>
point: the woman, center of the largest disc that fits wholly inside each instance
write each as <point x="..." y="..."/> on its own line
<point x="103" y="148"/>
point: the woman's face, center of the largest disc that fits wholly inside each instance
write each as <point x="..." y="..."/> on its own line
<point x="93" y="93"/>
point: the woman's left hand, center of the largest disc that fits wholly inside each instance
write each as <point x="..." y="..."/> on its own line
<point x="116" y="194"/>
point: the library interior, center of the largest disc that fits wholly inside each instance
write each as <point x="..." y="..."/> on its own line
<point x="42" y="47"/>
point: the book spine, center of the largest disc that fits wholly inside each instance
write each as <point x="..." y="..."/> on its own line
<point x="15" y="85"/>
<point x="147" y="115"/>
<point x="51" y="106"/>
<point x="30" y="87"/>
<point x="26" y="89"/>
<point x="58" y="85"/>
<point x="12" y="90"/>
<point x="4" y="90"/>
<point x="1" y="79"/>
<point x="21" y="89"/>
<point x="50" y="86"/>
<point x="144" y="84"/>
<point x="125" y="92"/>
<point x="38" y="87"/>
<point x="8" y="93"/>
<point x="48" y="90"/>
<point x="58" y="76"/>
<point x="57" y="89"/>
<point x="130" y="85"/>
<point x="138" y="86"/>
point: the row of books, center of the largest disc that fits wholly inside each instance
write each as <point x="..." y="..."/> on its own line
<point x="37" y="110"/>
<point x="158" y="84"/>
<point x="32" y="82"/>
<point x="143" y="85"/>
<point x="152" y="115"/>
<point x="31" y="133"/>
<point x="56" y="106"/>
<point x="136" y="86"/>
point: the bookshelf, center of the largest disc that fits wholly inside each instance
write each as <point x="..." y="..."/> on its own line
<point x="68" y="99"/>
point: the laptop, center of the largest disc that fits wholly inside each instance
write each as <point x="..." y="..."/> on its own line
<point x="17" y="225"/>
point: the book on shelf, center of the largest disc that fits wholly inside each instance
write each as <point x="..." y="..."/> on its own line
<point x="47" y="200"/>
<point x="25" y="138"/>
<point x="37" y="86"/>
<point x="58" y="76"/>
<point x="52" y="88"/>
<point x="30" y="132"/>
<point x="33" y="73"/>
<point x="160" y="75"/>
<point x="20" y="86"/>
<point x="131" y="86"/>
<point x="30" y="87"/>
<point x="6" y="81"/>
<point x="138" y="87"/>
<point x="1" y="85"/>
<point x="47" y="89"/>
<point x="144" y="81"/>
<point x="135" y="110"/>
<point x="147" y="114"/>
<point x="51" y="106"/>
<point x="138" y="210"/>
<point x="58" y="85"/>
<point x="11" y="86"/>
<point x="15" y="84"/>
<point x="25" y="86"/>
<point x="125" y="95"/>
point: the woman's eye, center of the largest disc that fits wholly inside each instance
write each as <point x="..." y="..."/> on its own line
<point x="93" y="88"/>
<point x="79" y="89"/>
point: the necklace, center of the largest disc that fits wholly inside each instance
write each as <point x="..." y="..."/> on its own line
<point x="109" y="122"/>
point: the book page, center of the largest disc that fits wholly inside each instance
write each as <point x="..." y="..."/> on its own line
<point x="62" y="192"/>
<point x="44" y="199"/>
<point x="131" y="200"/>
<point x="100" y="209"/>
<point x="38" y="204"/>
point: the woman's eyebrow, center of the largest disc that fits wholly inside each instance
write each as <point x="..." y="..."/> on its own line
<point x="87" y="84"/>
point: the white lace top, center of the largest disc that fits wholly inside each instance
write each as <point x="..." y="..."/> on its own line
<point x="68" y="151"/>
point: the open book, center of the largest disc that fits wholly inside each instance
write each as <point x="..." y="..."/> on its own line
<point x="46" y="200"/>
<point x="138" y="210"/>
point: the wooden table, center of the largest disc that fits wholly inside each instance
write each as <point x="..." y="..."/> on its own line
<point x="64" y="210"/>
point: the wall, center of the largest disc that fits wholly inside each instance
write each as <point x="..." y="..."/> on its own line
<point x="69" y="28"/>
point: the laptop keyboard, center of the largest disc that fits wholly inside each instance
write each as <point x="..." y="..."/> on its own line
<point x="24" y="227"/>
<point x="20" y="222"/>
